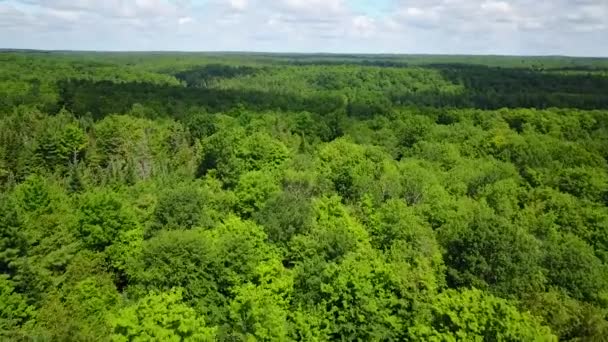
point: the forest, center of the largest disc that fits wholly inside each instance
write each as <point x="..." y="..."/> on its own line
<point x="294" y="197"/>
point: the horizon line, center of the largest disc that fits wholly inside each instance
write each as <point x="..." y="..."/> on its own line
<point x="259" y="52"/>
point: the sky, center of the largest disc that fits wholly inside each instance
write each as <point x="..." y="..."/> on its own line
<point x="506" y="27"/>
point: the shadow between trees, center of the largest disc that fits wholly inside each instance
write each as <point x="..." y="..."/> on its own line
<point x="484" y="88"/>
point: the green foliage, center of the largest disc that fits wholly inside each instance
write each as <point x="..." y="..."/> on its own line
<point x="405" y="237"/>
<point x="361" y="298"/>
<point x="14" y="310"/>
<point x="253" y="191"/>
<point x="351" y="168"/>
<point x="260" y="151"/>
<point x="290" y="197"/>
<point x="333" y="234"/>
<point x="286" y="214"/>
<point x="259" y="314"/>
<point x="573" y="267"/>
<point x="473" y="315"/>
<point x="61" y="143"/>
<point x="180" y="208"/>
<point x="13" y="243"/>
<point x="228" y="154"/>
<point x="102" y="218"/>
<point x="490" y="253"/>
<point x="160" y="317"/>
<point x="587" y="183"/>
<point x="220" y="156"/>
<point x="206" y="264"/>
<point x="78" y="311"/>
<point x="569" y="319"/>
<point x="130" y="149"/>
<point x="178" y="259"/>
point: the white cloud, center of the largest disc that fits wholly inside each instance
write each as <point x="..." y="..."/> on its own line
<point x="421" y="17"/>
<point x="185" y="20"/>
<point x="364" y="26"/>
<point x="11" y="17"/>
<point x="239" y="5"/>
<point x="433" y="26"/>
<point x="315" y="6"/>
<point x="114" y="8"/>
<point x="497" y="7"/>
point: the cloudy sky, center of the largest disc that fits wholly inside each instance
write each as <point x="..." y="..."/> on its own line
<point x="530" y="27"/>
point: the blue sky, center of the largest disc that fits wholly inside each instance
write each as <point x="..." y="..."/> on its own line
<point x="514" y="27"/>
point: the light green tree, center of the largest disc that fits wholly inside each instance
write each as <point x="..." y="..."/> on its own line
<point x="473" y="315"/>
<point x="160" y="317"/>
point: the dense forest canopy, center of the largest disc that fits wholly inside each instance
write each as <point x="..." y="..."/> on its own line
<point x="281" y="197"/>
